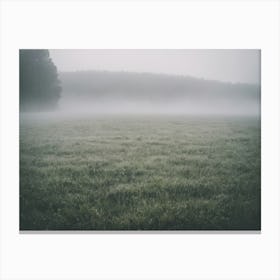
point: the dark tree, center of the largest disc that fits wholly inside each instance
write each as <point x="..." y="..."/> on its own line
<point x="39" y="84"/>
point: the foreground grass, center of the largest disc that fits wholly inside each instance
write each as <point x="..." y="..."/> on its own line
<point x="140" y="173"/>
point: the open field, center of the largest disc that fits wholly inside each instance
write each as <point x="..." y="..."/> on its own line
<point x="148" y="173"/>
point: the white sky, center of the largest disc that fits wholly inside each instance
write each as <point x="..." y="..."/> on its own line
<point x="224" y="65"/>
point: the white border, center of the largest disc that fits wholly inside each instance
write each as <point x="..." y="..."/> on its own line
<point x="156" y="24"/>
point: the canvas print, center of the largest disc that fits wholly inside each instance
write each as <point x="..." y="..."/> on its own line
<point x="140" y="139"/>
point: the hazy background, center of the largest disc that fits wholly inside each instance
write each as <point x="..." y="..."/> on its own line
<point x="159" y="81"/>
<point x="235" y="66"/>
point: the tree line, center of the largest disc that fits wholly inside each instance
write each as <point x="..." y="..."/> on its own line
<point x="41" y="85"/>
<point x="129" y="85"/>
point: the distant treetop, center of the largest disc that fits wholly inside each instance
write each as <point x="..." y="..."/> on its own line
<point x="39" y="84"/>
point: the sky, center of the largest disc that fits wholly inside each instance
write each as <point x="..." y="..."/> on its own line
<point x="224" y="65"/>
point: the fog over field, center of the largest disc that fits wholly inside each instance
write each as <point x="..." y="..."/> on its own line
<point x="159" y="81"/>
<point x="93" y="92"/>
<point x="140" y="140"/>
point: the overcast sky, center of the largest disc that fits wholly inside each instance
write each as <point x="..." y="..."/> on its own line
<point x="223" y="65"/>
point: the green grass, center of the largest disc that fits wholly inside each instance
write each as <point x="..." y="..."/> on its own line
<point x="140" y="173"/>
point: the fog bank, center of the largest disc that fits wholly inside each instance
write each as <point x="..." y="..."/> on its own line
<point x="103" y="92"/>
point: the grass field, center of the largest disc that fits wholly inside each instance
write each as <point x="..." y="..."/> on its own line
<point x="132" y="173"/>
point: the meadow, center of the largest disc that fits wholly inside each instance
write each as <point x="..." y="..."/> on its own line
<point x="140" y="173"/>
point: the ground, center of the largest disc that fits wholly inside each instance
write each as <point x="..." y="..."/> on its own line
<point x="140" y="173"/>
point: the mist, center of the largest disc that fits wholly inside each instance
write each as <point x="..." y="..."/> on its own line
<point x="140" y="140"/>
<point x="225" y="65"/>
<point x="183" y="107"/>
<point x="105" y="92"/>
<point x="171" y="82"/>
